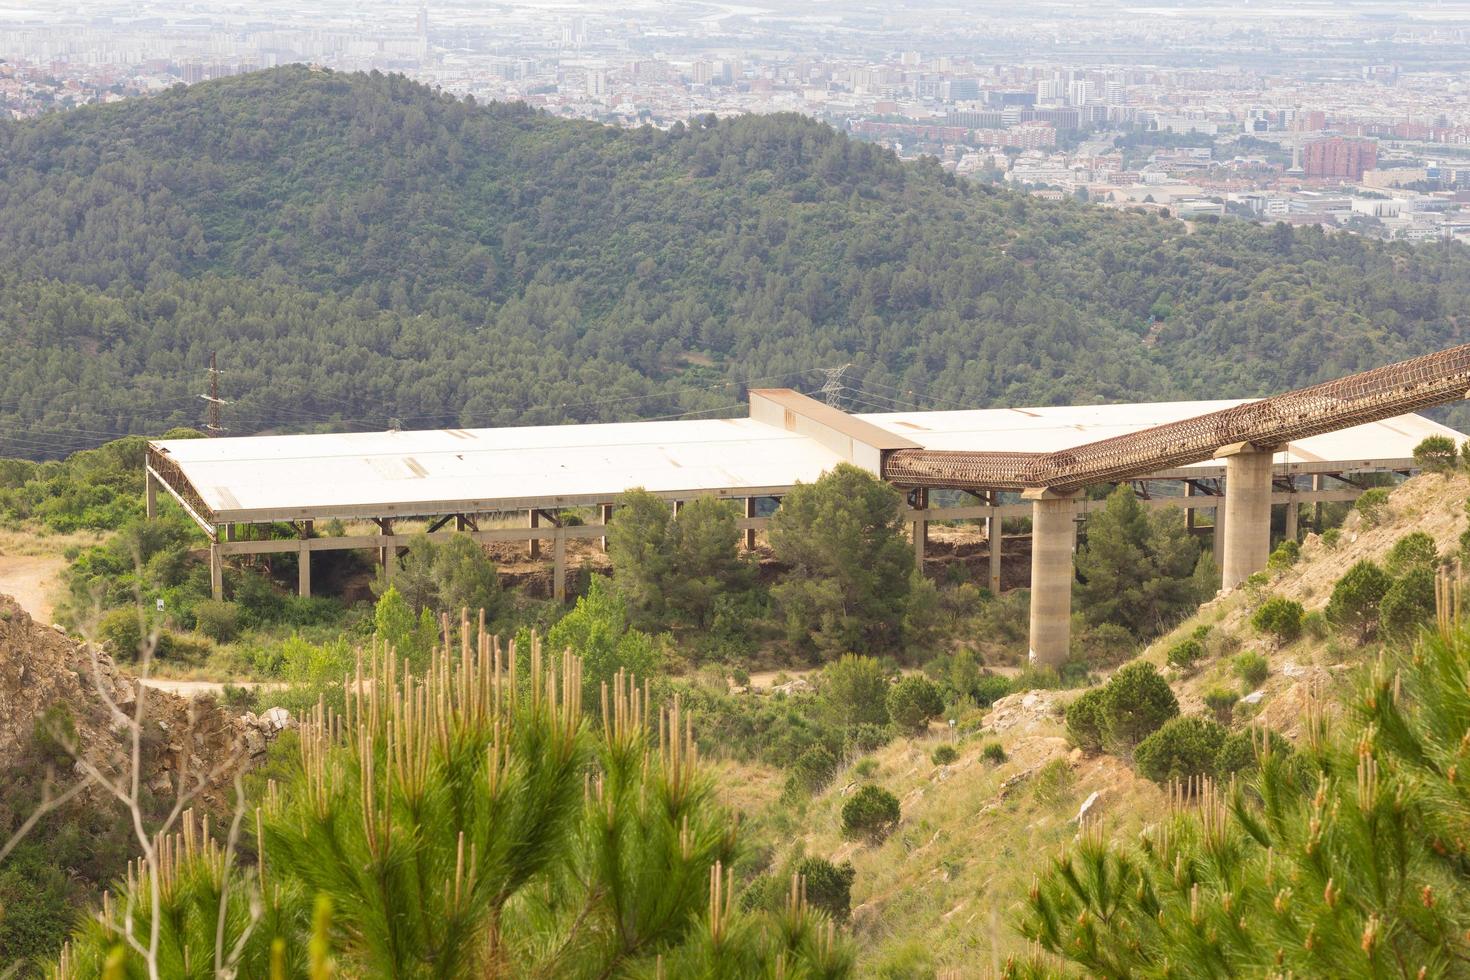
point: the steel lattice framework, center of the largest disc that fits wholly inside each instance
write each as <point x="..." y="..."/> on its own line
<point x="1371" y="396"/>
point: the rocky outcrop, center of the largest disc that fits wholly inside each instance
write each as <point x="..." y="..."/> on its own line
<point x="51" y="680"/>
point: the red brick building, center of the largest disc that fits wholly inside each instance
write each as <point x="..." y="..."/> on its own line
<point x="1339" y="157"/>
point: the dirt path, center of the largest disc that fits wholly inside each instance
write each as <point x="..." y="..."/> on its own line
<point x="188" y="689"/>
<point x="30" y="579"/>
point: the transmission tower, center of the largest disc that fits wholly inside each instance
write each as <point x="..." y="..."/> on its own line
<point x="212" y="424"/>
<point x="832" y="387"/>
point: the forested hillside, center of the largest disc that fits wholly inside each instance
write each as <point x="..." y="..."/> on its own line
<point x="361" y="248"/>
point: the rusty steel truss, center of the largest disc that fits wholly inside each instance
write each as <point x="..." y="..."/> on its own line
<point x="1268" y="424"/>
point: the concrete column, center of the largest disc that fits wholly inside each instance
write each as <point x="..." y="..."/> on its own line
<point x="1247" y="532"/>
<point x="678" y="506"/>
<point x="750" y="531"/>
<point x="1188" y="508"/>
<point x="229" y="532"/>
<point x="1317" y="505"/>
<point x="1220" y="533"/>
<point x="1293" y="516"/>
<point x="559" y="566"/>
<point x="995" y="536"/>
<point x="303" y="569"/>
<point x="534" y="549"/>
<point x="920" y="527"/>
<point x="606" y="510"/>
<point x="1053" y="539"/>
<point x="150" y="494"/>
<point x="216" y="571"/>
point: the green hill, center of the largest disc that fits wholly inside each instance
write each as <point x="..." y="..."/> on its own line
<point x="359" y="248"/>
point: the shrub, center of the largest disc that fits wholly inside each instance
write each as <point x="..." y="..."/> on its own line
<point x="1252" y="668"/>
<point x="1314" y="624"/>
<point x="1413" y="550"/>
<point x="990" y="688"/>
<point x="1280" y="617"/>
<point x="866" y="738"/>
<point x="1285" y="555"/>
<point x="1181" y="749"/>
<point x="1408" y="603"/>
<point x="1372" y="506"/>
<point x="828" y="885"/>
<point x="219" y="621"/>
<point x="1200" y="632"/>
<point x="1355" y="598"/>
<point x="1184" y="653"/>
<point x="1221" y="700"/>
<point x="814" y="767"/>
<point x="1465" y="452"/>
<point x="1135" y="702"/>
<point x="866" y="767"/>
<point x="993" y="753"/>
<point x="1332" y="537"/>
<point x="944" y="755"/>
<point x="1084" y="718"/>
<point x="870" y="814"/>
<point x="1054" y="782"/>
<point x="1240" y="752"/>
<point x="854" y="689"/>
<point x="1436" y="454"/>
<point x="912" y="702"/>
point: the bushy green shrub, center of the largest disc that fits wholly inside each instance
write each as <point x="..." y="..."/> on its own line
<point x="814" y="768"/>
<point x="1436" y="454"/>
<point x="1184" y="653"/>
<point x="1413" y="550"/>
<point x="218" y="620"/>
<point x="1372" y="506"/>
<point x="1355" y="598"/>
<point x="828" y="885"/>
<point x="1314" y="624"/>
<point x="993" y="753"/>
<point x="912" y="702"/>
<point x="990" y="688"/>
<point x="854" y="689"/>
<point x="1280" y="617"/>
<point x="1409" y="603"/>
<point x="1221" y="700"/>
<point x="1135" y="702"/>
<point x="1181" y="749"/>
<point x="944" y="755"/>
<point x="1240" y="752"/>
<point x="870" y="814"/>
<point x="1084" y="717"/>
<point x="1285" y="555"/>
<point x="1332" y="537"/>
<point x="1252" y="668"/>
<point x="866" y="738"/>
<point x="1053" y="783"/>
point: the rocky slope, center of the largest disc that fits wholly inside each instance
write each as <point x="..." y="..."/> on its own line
<point x="47" y="676"/>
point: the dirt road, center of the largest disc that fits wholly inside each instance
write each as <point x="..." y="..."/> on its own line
<point x="30" y="579"/>
<point x="187" y="689"/>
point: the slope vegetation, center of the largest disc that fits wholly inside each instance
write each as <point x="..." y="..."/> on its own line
<point x="359" y="248"/>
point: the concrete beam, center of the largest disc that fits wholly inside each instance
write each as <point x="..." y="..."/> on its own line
<point x="216" y="571"/>
<point x="1053" y="539"/>
<point x="1247" y="531"/>
<point x="303" y="569"/>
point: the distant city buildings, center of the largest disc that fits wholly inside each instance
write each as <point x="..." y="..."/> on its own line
<point x="1339" y="158"/>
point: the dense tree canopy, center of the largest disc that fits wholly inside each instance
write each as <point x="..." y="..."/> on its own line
<point x="360" y="248"/>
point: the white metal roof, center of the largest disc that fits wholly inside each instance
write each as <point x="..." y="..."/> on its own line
<point x="382" y="474"/>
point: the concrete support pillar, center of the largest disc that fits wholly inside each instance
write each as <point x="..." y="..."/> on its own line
<point x="920" y="527"/>
<point x="606" y="511"/>
<point x="387" y="555"/>
<point x="1293" y="516"/>
<point x="150" y="494"/>
<point x="995" y="536"/>
<point x="559" y="566"/>
<point x="303" y="569"/>
<point x="750" y="531"/>
<point x="1053" y="539"/>
<point x="534" y="548"/>
<point x="678" y="506"/>
<point x="1188" y="508"/>
<point x="216" y="570"/>
<point x="1220" y="533"/>
<point x="1247" y="532"/>
<point x="229" y="532"/>
<point x="1317" y="504"/>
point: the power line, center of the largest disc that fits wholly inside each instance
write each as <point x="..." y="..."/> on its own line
<point x="212" y="425"/>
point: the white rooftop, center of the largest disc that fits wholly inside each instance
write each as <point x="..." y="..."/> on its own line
<point x="445" y="471"/>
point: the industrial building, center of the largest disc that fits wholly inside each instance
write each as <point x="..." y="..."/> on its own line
<point x="1237" y="459"/>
